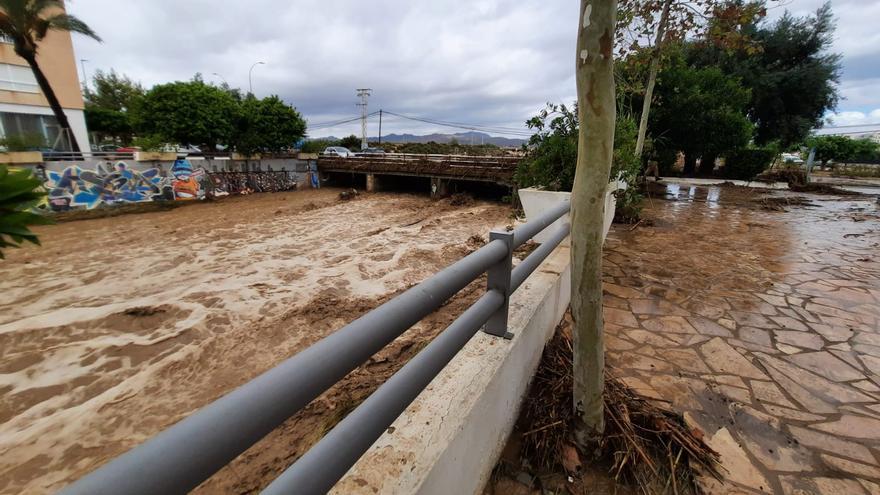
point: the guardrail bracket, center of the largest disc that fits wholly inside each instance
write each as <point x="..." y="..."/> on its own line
<point x="499" y="280"/>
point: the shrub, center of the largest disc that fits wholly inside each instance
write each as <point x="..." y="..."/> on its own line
<point x="748" y="163"/>
<point x="19" y="193"/>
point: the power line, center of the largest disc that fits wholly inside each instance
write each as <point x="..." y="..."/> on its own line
<point x="338" y="122"/>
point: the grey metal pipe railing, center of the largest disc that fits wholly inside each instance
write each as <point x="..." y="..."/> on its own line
<point x="327" y="461"/>
<point x="181" y="457"/>
<point x="525" y="232"/>
<point x="525" y="268"/>
<point x="184" y="455"/>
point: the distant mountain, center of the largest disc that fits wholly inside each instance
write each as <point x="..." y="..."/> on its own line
<point x="461" y="137"/>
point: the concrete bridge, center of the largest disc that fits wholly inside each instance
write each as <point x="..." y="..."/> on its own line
<point x="444" y="172"/>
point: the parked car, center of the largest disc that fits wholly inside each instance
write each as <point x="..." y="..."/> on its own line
<point x="338" y="151"/>
<point x="371" y="151"/>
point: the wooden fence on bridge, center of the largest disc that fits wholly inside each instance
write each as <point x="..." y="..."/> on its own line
<point x="497" y="169"/>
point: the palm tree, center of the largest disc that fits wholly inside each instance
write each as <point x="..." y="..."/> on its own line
<point x="26" y="23"/>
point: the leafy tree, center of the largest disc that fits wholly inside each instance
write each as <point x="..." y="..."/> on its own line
<point x="670" y="22"/>
<point x="843" y="149"/>
<point x="551" y="156"/>
<point x="113" y="91"/>
<point x="19" y="193"/>
<point x="701" y="112"/>
<point x="594" y="74"/>
<point x="187" y="113"/>
<point x="108" y="105"/>
<point x="351" y="142"/>
<point x="26" y="23"/>
<point x="266" y="125"/>
<point x="792" y="76"/>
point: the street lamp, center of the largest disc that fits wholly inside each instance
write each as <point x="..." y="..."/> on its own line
<point x="250" y="72"/>
<point x="221" y="78"/>
<point x="82" y="63"/>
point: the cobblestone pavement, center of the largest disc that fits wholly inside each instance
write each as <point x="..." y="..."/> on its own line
<point x="762" y="328"/>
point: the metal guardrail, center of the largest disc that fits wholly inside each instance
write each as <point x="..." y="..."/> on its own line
<point x="189" y="452"/>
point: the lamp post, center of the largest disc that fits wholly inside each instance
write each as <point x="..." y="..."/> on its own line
<point x="82" y="63"/>
<point x="250" y="81"/>
<point x="221" y="78"/>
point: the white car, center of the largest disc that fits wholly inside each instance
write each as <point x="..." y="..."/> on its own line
<point x="338" y="151"/>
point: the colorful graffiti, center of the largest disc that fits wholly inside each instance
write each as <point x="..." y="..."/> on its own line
<point x="252" y="182"/>
<point x="185" y="183"/>
<point x="107" y="184"/>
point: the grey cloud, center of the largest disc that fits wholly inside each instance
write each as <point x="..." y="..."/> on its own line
<point x="492" y="62"/>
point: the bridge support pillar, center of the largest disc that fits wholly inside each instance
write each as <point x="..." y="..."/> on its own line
<point x="372" y="183"/>
<point x="439" y="187"/>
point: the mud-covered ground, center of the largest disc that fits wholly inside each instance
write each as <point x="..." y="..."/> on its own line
<point x="118" y="327"/>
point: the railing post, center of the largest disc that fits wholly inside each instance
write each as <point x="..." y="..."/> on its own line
<point x="499" y="279"/>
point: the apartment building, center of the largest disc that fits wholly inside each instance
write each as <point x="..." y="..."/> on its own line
<point x="23" y="107"/>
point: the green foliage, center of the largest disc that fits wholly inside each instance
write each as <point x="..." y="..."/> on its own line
<point x="700" y="111"/>
<point x="792" y="77"/>
<point x="551" y="157"/>
<point x="108" y="123"/>
<point x="843" y="149"/>
<point x="188" y="113"/>
<point x="351" y="142"/>
<point x="316" y="145"/>
<point x="149" y="143"/>
<point x="23" y="142"/>
<point x="552" y="151"/>
<point x="19" y="193"/>
<point x="266" y="125"/>
<point x="748" y="163"/>
<point x="113" y="91"/>
<point x="109" y="104"/>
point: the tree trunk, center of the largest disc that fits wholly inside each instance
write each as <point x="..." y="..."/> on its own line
<point x="46" y="88"/>
<point x="652" y="78"/>
<point x="690" y="164"/>
<point x="707" y="164"/>
<point x="596" y="115"/>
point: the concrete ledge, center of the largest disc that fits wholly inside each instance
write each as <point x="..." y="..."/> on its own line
<point x="451" y="436"/>
<point x="21" y="157"/>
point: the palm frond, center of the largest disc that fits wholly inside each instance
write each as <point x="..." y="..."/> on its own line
<point x="67" y="22"/>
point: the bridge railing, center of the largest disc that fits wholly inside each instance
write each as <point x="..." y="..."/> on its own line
<point x="189" y="452"/>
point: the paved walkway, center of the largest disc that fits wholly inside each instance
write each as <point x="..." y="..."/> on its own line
<point x="762" y="327"/>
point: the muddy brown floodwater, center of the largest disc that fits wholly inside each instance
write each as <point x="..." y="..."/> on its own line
<point x="761" y="327"/>
<point x="117" y="328"/>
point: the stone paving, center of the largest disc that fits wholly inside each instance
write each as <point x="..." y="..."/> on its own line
<point x="762" y="328"/>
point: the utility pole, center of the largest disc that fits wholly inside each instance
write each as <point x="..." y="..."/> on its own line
<point x="363" y="93"/>
<point x="380" y="127"/>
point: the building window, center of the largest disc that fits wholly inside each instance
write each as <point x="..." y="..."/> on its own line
<point x="18" y="78"/>
<point x="33" y="132"/>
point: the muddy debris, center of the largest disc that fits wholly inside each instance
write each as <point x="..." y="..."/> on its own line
<point x="348" y="194"/>
<point x="461" y="199"/>
<point x="818" y="188"/>
<point x="780" y="203"/>
<point x="144" y="311"/>
<point x="646" y="448"/>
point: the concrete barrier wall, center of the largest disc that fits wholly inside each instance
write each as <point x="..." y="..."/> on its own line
<point x="449" y="439"/>
<point x="108" y="181"/>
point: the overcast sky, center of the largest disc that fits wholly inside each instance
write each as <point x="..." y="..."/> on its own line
<point x="489" y="62"/>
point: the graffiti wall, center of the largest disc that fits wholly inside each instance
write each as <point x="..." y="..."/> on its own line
<point x="110" y="183"/>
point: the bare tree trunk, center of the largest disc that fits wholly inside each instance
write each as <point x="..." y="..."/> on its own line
<point x="652" y="78"/>
<point x="49" y="93"/>
<point x="596" y="115"/>
<point x="690" y="163"/>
